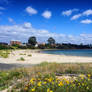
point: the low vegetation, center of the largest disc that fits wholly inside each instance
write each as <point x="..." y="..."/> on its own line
<point x="30" y="55"/>
<point x="21" y="59"/>
<point x="51" y="83"/>
<point x="47" y="77"/>
<point x="4" y="53"/>
<point x="22" y="54"/>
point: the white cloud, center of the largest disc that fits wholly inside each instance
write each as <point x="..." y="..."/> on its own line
<point x="23" y="31"/>
<point x="86" y="21"/>
<point x="47" y="14"/>
<point x="69" y="12"/>
<point x="87" y="12"/>
<point x="31" y="10"/>
<point x="76" y="16"/>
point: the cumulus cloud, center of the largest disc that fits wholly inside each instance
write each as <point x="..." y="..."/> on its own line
<point x="76" y="16"/>
<point x="23" y="31"/>
<point x="69" y="12"/>
<point x="31" y="11"/>
<point x="85" y="13"/>
<point x="47" y="14"/>
<point x="86" y="21"/>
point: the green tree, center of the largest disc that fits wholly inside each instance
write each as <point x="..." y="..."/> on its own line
<point x="32" y="41"/>
<point x="51" y="41"/>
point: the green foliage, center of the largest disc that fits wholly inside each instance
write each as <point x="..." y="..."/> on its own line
<point x="44" y="63"/>
<point x="21" y="59"/>
<point x="41" y="79"/>
<point x="51" y="83"/>
<point x="30" y="55"/>
<point x="22" y="54"/>
<point x="51" y="41"/>
<point x="32" y="41"/>
<point x="7" y="77"/>
<point x="4" y="47"/>
<point x="4" y="53"/>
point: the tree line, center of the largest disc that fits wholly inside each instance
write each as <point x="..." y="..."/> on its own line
<point x="51" y="44"/>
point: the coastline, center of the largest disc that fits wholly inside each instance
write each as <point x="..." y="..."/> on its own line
<point x="38" y="57"/>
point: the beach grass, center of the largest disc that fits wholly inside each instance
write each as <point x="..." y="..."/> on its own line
<point x="30" y="55"/>
<point x="21" y="59"/>
<point x="20" y="78"/>
<point x="4" y="53"/>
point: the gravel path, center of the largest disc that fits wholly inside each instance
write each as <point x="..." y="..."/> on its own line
<point x="4" y="66"/>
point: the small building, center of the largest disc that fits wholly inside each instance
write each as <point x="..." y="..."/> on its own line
<point x="15" y="42"/>
<point x="41" y="44"/>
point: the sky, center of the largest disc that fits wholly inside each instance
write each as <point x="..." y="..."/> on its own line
<point x="67" y="21"/>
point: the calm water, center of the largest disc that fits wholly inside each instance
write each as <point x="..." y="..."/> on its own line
<point x="87" y="53"/>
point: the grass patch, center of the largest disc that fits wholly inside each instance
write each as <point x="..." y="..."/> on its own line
<point x="21" y="59"/>
<point x="30" y="55"/>
<point x="41" y="79"/>
<point x="22" y="54"/>
<point x="7" y="78"/>
<point x="4" y="53"/>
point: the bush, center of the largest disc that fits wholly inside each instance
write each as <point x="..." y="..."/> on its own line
<point x="30" y="55"/>
<point x="21" y="59"/>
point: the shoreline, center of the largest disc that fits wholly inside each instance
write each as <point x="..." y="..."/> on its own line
<point x="38" y="57"/>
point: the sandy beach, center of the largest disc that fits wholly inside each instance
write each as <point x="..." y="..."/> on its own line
<point x="38" y="57"/>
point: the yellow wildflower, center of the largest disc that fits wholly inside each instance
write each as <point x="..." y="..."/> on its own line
<point x="32" y="80"/>
<point x="50" y="79"/>
<point x="67" y="81"/>
<point x="60" y="84"/>
<point x="33" y="89"/>
<point x="48" y="90"/>
<point x="89" y="75"/>
<point x="82" y="76"/>
<point x="44" y="82"/>
<point x="39" y="84"/>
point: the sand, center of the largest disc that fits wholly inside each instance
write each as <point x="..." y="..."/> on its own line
<point x="38" y="57"/>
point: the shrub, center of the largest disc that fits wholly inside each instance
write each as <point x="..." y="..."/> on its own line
<point x="21" y="59"/>
<point x="30" y="55"/>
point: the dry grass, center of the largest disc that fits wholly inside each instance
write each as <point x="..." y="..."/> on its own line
<point x="24" y="74"/>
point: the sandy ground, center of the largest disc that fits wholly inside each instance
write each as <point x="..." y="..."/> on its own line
<point x="37" y="58"/>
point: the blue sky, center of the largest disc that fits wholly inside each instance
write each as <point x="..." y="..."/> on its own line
<point x="68" y="21"/>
